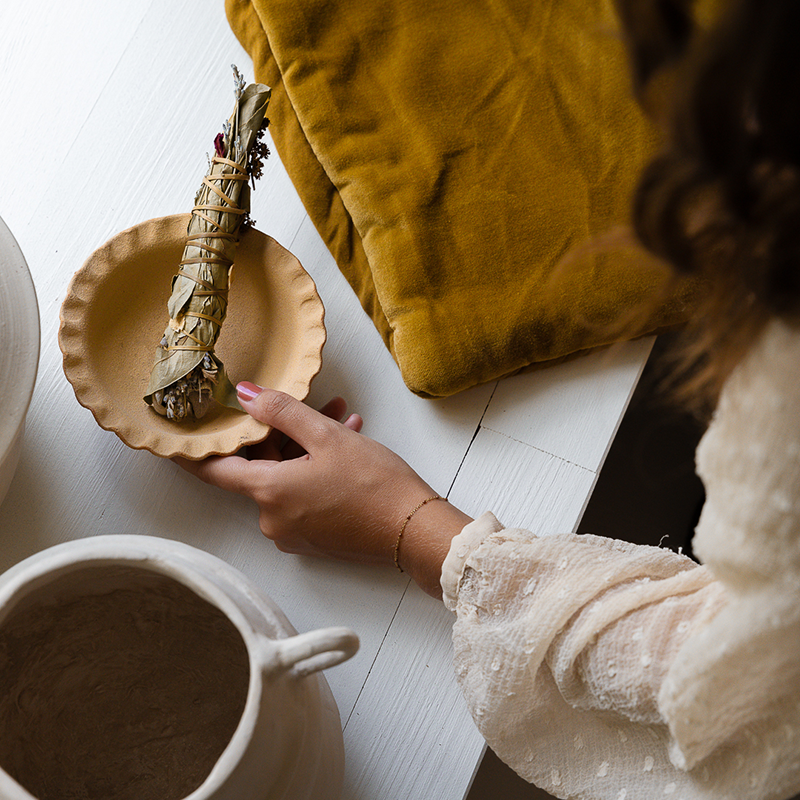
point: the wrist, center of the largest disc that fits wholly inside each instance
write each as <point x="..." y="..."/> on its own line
<point x="424" y="540"/>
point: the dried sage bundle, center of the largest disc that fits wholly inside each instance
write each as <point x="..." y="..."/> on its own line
<point x="187" y="376"/>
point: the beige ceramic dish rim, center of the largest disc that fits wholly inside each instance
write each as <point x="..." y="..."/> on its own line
<point x="77" y="367"/>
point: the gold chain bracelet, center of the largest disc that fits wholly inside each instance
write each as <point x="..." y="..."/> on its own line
<point x="405" y="522"/>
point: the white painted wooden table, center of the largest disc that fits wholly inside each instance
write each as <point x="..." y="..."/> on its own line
<point x="106" y="112"/>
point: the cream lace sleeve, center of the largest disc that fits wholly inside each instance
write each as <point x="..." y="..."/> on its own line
<point x="550" y="638"/>
<point x="602" y="670"/>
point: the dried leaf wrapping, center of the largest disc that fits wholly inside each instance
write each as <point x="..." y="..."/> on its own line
<point x="186" y="374"/>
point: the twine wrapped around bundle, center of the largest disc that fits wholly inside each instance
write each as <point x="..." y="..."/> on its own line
<point x="187" y="375"/>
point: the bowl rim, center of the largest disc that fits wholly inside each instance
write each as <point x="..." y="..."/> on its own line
<point x="78" y="371"/>
<point x="19" y="311"/>
<point x="206" y="575"/>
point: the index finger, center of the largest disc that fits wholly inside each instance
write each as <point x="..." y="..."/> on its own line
<point x="298" y="421"/>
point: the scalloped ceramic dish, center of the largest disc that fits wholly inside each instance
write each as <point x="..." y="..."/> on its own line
<point x="115" y="313"/>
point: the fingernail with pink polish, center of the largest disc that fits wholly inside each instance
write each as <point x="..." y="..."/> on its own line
<point x="247" y="391"/>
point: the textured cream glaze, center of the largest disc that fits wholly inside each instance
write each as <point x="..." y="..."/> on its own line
<point x="117" y="683"/>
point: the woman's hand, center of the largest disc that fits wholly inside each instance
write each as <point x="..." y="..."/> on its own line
<point x="331" y="491"/>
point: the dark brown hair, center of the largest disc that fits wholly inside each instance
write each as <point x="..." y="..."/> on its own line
<point x="722" y="199"/>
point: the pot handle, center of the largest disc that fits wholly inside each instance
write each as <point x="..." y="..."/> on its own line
<point x="311" y="652"/>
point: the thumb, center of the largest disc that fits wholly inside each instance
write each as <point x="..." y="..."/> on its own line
<point x="284" y="413"/>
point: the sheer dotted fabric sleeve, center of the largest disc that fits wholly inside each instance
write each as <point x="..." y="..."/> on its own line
<point x="602" y="670"/>
<point x="620" y="666"/>
<point x="563" y="707"/>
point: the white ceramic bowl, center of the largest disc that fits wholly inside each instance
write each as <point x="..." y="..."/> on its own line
<point x="19" y="352"/>
<point x="144" y="667"/>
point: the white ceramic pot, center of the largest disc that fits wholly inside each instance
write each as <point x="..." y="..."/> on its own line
<point x="19" y="352"/>
<point x="139" y="667"/>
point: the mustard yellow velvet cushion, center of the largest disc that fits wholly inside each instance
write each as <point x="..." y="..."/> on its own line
<point x="451" y="153"/>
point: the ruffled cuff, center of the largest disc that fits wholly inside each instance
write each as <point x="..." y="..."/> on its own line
<point x="460" y="549"/>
